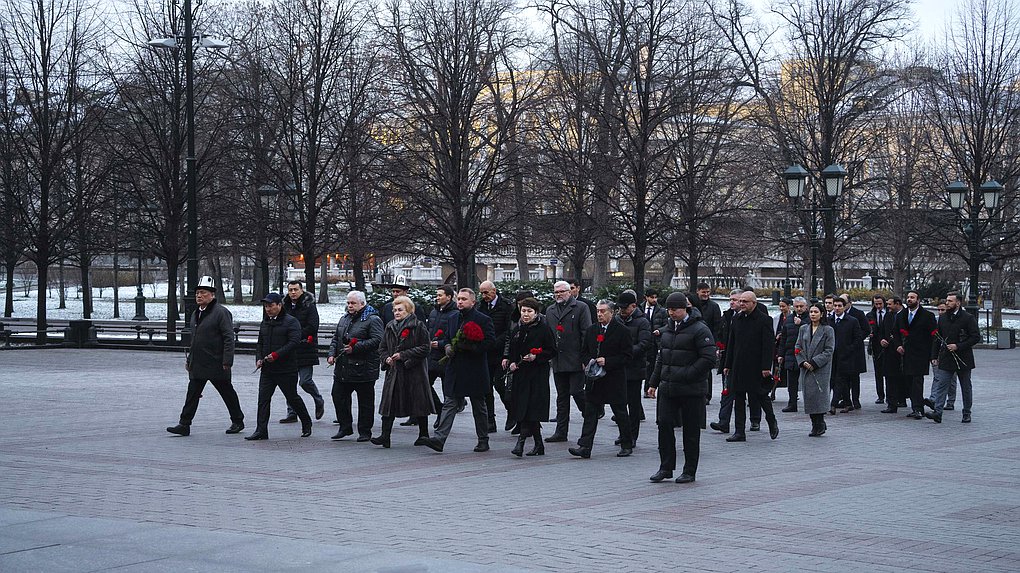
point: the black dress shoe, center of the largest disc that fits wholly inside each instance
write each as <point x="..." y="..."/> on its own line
<point x="519" y="447"/>
<point x="846" y="410"/>
<point x="289" y="419"/>
<point x="915" y="415"/>
<point x="719" y="427"/>
<point x="755" y="427"/>
<point x="580" y="452"/>
<point x="434" y="444"/>
<point x="624" y="452"/>
<point x="257" y="436"/>
<point x="661" y="475"/>
<point x="409" y="422"/>
<point x="365" y="438"/>
<point x="774" y="430"/>
<point x="880" y="401"/>
<point x="381" y="441"/>
<point x="538" y="450"/>
<point x="857" y="405"/>
<point x="555" y="438"/>
<point x="788" y="409"/>
<point x="492" y="428"/>
<point x="949" y="407"/>
<point x="889" y="410"/>
<point x="482" y="446"/>
<point x="342" y="434"/>
<point x="966" y="419"/>
<point x="737" y="438"/>
<point x="929" y="403"/>
<point x="617" y="442"/>
<point x="685" y="478"/>
<point x="235" y="428"/>
<point x="320" y="410"/>
<point x="421" y="441"/>
<point x="182" y="430"/>
<point x="306" y="431"/>
<point x="510" y="425"/>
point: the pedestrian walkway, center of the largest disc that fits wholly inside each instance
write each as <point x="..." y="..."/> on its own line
<point x="90" y="481"/>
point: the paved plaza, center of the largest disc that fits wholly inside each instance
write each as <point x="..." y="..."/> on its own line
<point x="90" y="481"/>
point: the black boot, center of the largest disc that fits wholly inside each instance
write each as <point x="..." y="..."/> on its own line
<point x="816" y="426"/>
<point x="519" y="448"/>
<point x="387" y="429"/>
<point x="539" y="449"/>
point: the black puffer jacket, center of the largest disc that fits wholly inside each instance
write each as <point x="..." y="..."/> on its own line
<point x="307" y="315"/>
<point x="686" y="356"/>
<point x="641" y="339"/>
<point x="279" y="337"/>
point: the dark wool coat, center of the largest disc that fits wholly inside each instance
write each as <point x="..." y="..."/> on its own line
<point x="875" y="330"/>
<point x="711" y="314"/>
<point x="362" y="364"/>
<point x="917" y="343"/>
<point x="616" y="348"/>
<point x="280" y="336"/>
<point x="574" y="320"/>
<point x="788" y="339"/>
<point x="307" y="353"/>
<point x="500" y="315"/>
<point x="862" y="319"/>
<point x="212" y="343"/>
<point x="749" y="351"/>
<point x="849" y="354"/>
<point x="406" y="389"/>
<point x="529" y="398"/>
<point x="686" y="356"/>
<point x="641" y="337"/>
<point x="436" y="322"/>
<point x="467" y="372"/>
<point x="893" y="362"/>
<point x="961" y="329"/>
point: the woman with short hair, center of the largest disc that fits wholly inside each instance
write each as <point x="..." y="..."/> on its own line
<point x="406" y="388"/>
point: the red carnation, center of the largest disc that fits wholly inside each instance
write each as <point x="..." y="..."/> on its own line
<point x="309" y="340"/>
<point x="536" y="351"/>
<point x="473" y="332"/>
<point x="600" y="338"/>
<point x="904" y="332"/>
<point x="352" y="342"/>
<point x="871" y="322"/>
<point x="720" y="345"/>
<point x="796" y="350"/>
<point x="935" y="332"/>
<point x="725" y="392"/>
<point x="559" y="328"/>
<point x="404" y="333"/>
<point x="439" y="333"/>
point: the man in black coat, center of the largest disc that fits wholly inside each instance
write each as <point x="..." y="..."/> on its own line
<point x="789" y="331"/>
<point x="711" y="315"/>
<point x="846" y="357"/>
<point x="569" y="319"/>
<point x="953" y="355"/>
<point x="749" y="354"/>
<point x="575" y="291"/>
<point x="912" y="339"/>
<point x="498" y="309"/>
<point x="897" y="386"/>
<point x="656" y="315"/>
<point x="354" y="351"/>
<point x="686" y="354"/>
<point x="467" y="371"/>
<point x="726" y="402"/>
<point x="607" y="344"/>
<point x="862" y="359"/>
<point x="279" y="336"/>
<point x="445" y="307"/>
<point x="641" y="338"/>
<point x="301" y="305"/>
<point x="210" y="358"/>
<point x="876" y="316"/>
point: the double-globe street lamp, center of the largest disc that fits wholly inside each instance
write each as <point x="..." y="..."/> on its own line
<point x="967" y="204"/>
<point x="188" y="39"/>
<point x="818" y="203"/>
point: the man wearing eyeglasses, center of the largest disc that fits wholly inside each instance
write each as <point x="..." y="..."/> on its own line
<point x="569" y="320"/>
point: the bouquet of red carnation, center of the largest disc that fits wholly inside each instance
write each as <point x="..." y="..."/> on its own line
<point x="467" y="339"/>
<point x="536" y="351"/>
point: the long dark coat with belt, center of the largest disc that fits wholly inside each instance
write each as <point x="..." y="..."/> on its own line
<point x="406" y="389"/>
<point x="529" y="398"/>
<point x="307" y="353"/>
<point x="467" y="372"/>
<point x="749" y="351"/>
<point x="212" y="343"/>
<point x="892" y="362"/>
<point x="961" y="329"/>
<point x="916" y="344"/>
<point x="849" y="355"/>
<point x="617" y="348"/>
<point x="362" y="364"/>
<point x="279" y="336"/>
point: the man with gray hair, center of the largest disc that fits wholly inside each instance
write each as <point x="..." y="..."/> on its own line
<point x="788" y="332"/>
<point x="748" y="366"/>
<point x="569" y="320"/>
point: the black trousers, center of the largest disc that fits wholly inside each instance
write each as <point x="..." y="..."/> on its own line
<point x="726" y="406"/>
<point x="496" y="386"/>
<point x="227" y="393"/>
<point x="591" y="423"/>
<point x="897" y="389"/>
<point x="568" y="385"/>
<point x="634" y="408"/>
<point x="916" y="388"/>
<point x="287" y="382"/>
<point x="668" y="412"/>
<point x="879" y="365"/>
<point x="792" y="385"/>
<point x="841" y="382"/>
<point x="342" y="403"/>
<point x="757" y="400"/>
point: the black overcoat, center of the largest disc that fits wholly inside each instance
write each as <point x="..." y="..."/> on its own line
<point x="467" y="372"/>
<point x="749" y="351"/>
<point x="529" y="398"/>
<point x="849" y="354"/>
<point x="916" y="339"/>
<point x="307" y="315"/>
<point x="961" y="329"/>
<point x="212" y="343"/>
<point x="641" y="337"/>
<point x="436" y="323"/>
<point x="499" y="313"/>
<point x="616" y="347"/>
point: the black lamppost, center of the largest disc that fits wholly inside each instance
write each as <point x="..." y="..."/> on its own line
<point x="268" y="195"/>
<point x="139" y="212"/>
<point x="796" y="188"/>
<point x="967" y="203"/>
<point x="191" y="279"/>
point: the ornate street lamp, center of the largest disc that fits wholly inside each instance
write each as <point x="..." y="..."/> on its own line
<point x="961" y="200"/>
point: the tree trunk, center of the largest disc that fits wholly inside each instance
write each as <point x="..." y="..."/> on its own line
<point x="324" y="279"/>
<point x="236" y="271"/>
<point x="260" y="279"/>
<point x="9" y="291"/>
<point x="171" y="302"/>
<point x="217" y="271"/>
<point x="309" y="271"/>
<point x="668" y="265"/>
<point x="996" y="294"/>
<point x="43" y="274"/>
<point x="86" y="286"/>
<point x="116" y="282"/>
<point x="61" y="285"/>
<point x="358" y="268"/>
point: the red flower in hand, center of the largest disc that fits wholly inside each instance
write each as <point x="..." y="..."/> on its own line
<point x="352" y="342"/>
<point x="536" y="351"/>
<point x="796" y="350"/>
<point x="473" y="332"/>
<point x="871" y="322"/>
<point x="404" y="333"/>
<point x="725" y="392"/>
<point x="559" y="328"/>
<point x="600" y="338"/>
<point x="935" y="332"/>
<point x="720" y="345"/>
<point x="439" y="333"/>
<point x="309" y="340"/>
<point x="904" y="332"/>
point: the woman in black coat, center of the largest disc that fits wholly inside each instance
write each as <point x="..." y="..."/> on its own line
<point x="530" y="346"/>
<point x="406" y="389"/>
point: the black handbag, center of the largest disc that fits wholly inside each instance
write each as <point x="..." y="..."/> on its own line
<point x="508" y="380"/>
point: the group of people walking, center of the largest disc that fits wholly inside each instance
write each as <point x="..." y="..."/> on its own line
<point x="599" y="354"/>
